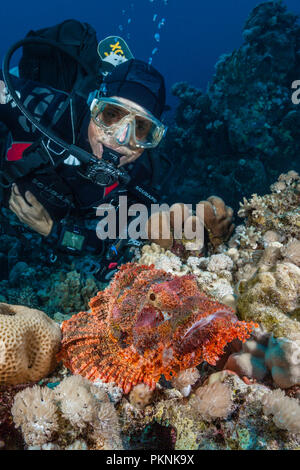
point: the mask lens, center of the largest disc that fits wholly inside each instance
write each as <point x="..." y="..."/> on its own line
<point x="143" y="128"/>
<point x="111" y="114"/>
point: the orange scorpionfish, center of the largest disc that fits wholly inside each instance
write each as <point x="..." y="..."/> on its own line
<point x="145" y="324"/>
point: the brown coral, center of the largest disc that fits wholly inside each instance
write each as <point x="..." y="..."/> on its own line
<point x="291" y="252"/>
<point x="145" y="324"/>
<point x="28" y="345"/>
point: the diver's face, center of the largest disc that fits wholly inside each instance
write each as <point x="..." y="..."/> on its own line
<point x="98" y="138"/>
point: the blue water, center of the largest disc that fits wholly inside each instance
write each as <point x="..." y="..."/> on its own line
<point x="195" y="33"/>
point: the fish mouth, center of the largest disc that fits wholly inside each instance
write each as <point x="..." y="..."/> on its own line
<point x="149" y="317"/>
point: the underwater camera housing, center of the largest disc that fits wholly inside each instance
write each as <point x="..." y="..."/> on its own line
<point x="101" y="172"/>
<point x="104" y="172"/>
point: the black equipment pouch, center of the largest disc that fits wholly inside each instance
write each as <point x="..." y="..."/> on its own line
<point x="33" y="158"/>
<point x="50" y="66"/>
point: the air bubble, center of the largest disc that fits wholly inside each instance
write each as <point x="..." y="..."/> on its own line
<point x="162" y="23"/>
<point x="157" y="37"/>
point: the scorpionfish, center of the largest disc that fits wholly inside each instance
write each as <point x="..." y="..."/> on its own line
<point x="145" y="324"/>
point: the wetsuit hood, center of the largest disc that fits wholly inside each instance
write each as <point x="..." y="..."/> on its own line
<point x="138" y="82"/>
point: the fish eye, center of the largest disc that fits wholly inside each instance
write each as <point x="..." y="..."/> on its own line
<point x="152" y="296"/>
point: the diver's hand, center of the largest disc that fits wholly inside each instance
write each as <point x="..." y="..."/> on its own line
<point x="33" y="214"/>
<point x="217" y="220"/>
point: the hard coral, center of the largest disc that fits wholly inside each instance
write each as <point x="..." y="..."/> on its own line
<point x="272" y="299"/>
<point x="278" y="211"/>
<point x="29" y="342"/>
<point x="147" y="323"/>
<point x="161" y="259"/>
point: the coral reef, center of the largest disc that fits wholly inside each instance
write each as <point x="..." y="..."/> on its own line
<point x="33" y="275"/>
<point x="145" y="324"/>
<point x="257" y="273"/>
<point x="213" y="273"/>
<point x="28" y="346"/>
<point x="267" y="279"/>
<point x="74" y="415"/>
<point x="190" y="408"/>
<point x="235" y="421"/>
<point x="278" y="211"/>
<point x="239" y="135"/>
<point x="83" y="403"/>
<point x="161" y="259"/>
<point x="270" y="293"/>
<point x="167" y="314"/>
<point x="178" y="227"/>
<point x="263" y="355"/>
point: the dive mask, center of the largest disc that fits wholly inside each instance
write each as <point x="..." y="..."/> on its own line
<point x="126" y="124"/>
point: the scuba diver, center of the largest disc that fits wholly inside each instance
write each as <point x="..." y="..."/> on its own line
<point x="50" y="189"/>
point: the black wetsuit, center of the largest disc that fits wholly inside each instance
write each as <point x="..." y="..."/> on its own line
<point x="60" y="188"/>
